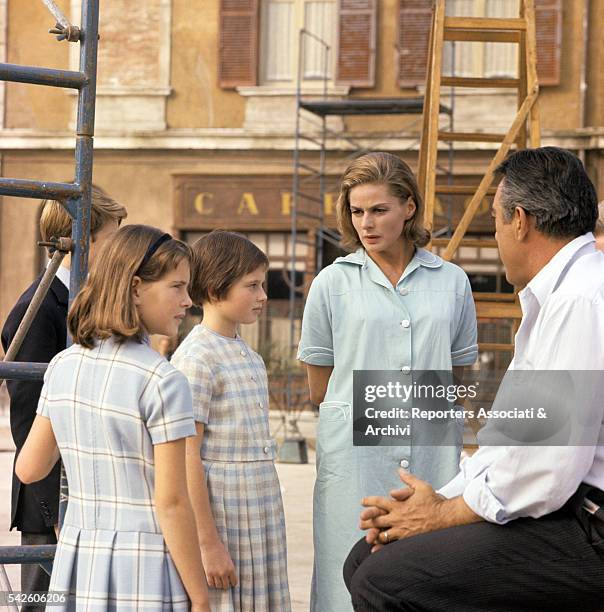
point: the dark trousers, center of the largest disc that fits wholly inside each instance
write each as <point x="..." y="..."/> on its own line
<point x="33" y="577"/>
<point x="547" y="564"/>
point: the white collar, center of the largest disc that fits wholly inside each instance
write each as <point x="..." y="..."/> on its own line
<point x="63" y="275"/>
<point x="420" y="257"/>
<point x="544" y="283"/>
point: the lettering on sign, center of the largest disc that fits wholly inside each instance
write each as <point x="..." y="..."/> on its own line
<point x="286" y="203"/>
<point x="247" y="202"/>
<point x="200" y="204"/>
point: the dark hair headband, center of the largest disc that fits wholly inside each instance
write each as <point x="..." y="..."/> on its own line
<point x="151" y="250"/>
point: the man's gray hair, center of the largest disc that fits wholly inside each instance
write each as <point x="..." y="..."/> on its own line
<point x="550" y="184"/>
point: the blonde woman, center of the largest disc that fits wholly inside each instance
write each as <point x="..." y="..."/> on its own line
<point x="389" y="305"/>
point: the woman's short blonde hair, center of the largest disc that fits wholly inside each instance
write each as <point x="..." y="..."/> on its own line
<point x="385" y="169"/>
<point x="105" y="306"/>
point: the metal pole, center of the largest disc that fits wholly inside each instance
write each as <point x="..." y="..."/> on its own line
<point x="83" y="175"/>
<point x="290" y="450"/>
<point x="36" y="302"/>
<point x="56" y="13"/>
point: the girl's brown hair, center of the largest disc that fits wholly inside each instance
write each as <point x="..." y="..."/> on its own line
<point x="220" y="259"/>
<point x="104" y="307"/>
<point x="385" y="169"/>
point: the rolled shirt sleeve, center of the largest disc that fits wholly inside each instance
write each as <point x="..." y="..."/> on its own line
<point x="464" y="350"/>
<point x="524" y="481"/>
<point x="316" y="340"/>
<point x="455" y="487"/>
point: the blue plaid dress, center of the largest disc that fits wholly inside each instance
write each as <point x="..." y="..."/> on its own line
<point x="230" y="396"/>
<point x="108" y="406"/>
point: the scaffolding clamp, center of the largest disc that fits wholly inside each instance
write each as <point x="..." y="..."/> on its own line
<point x="63" y="29"/>
<point x="65" y="245"/>
<point x="69" y="32"/>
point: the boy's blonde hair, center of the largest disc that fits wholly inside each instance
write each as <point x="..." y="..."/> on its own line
<point x="385" y="169"/>
<point x="105" y="307"/>
<point x="220" y="259"/>
<point x="56" y="221"/>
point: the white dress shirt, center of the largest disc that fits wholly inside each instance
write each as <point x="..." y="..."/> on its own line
<point x="63" y="274"/>
<point x="562" y="328"/>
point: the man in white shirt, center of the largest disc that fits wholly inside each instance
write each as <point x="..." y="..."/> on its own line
<point x="519" y="528"/>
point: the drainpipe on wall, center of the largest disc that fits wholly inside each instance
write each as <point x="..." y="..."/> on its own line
<point x="583" y="74"/>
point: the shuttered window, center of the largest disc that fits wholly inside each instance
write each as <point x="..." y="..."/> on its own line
<point x="281" y="22"/>
<point x="476" y="59"/>
<point x="415" y="21"/>
<point x="356" y="42"/>
<point x="548" y="17"/>
<point x="238" y="50"/>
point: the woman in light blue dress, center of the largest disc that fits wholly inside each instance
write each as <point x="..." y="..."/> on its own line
<point x="389" y="305"/>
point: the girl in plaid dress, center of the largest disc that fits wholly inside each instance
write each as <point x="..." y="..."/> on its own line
<point x="243" y="548"/>
<point x="118" y="414"/>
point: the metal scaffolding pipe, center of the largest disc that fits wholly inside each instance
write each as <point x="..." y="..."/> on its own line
<point x="22" y="370"/>
<point x="36" y="75"/>
<point x="34" y="305"/>
<point x="57" y="13"/>
<point x="39" y="190"/>
<point x="27" y="554"/>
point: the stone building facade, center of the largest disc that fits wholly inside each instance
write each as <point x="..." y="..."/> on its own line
<point x="196" y="109"/>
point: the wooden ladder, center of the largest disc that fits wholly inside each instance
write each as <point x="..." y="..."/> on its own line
<point x="520" y="30"/>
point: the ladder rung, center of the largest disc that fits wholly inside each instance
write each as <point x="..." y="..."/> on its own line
<point x="307" y="196"/>
<point x="304" y="241"/>
<point x="309" y="168"/>
<point x="303" y="213"/>
<point x="495" y="346"/>
<point x="479" y="82"/>
<point x="42" y="76"/>
<point x="488" y="296"/>
<point x="462" y="189"/>
<point x="501" y="36"/>
<point x="482" y="243"/>
<point x="39" y="190"/>
<point x="485" y="23"/>
<point x="470" y="137"/>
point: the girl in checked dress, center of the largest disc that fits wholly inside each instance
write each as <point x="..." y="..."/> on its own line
<point x="118" y="414"/>
<point x="243" y="548"/>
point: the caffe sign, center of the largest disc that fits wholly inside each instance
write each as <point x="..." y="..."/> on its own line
<point x="244" y="202"/>
<point x="264" y="203"/>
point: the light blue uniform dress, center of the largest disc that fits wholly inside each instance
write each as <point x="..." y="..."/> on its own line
<point x="354" y="319"/>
